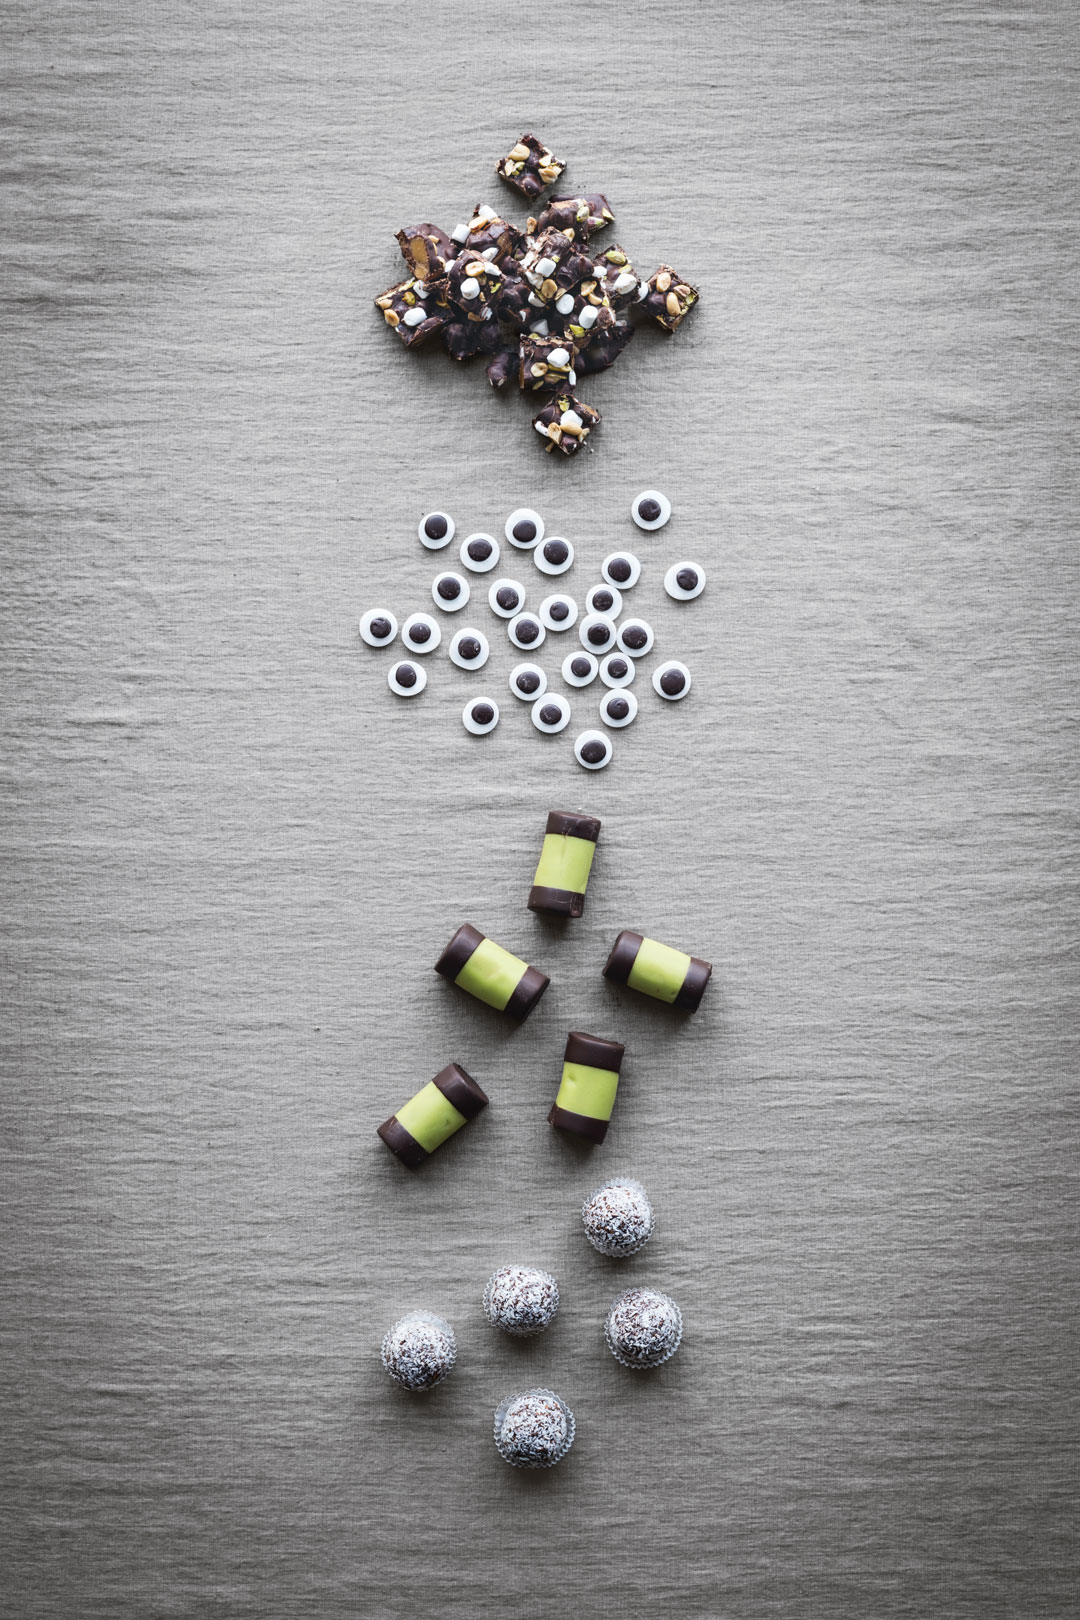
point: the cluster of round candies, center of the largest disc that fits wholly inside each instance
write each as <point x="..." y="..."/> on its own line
<point x="611" y="639"/>
<point x="643" y="1329"/>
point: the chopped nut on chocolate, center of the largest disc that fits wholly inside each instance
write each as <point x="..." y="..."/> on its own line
<point x="582" y="216"/>
<point x="566" y="423"/>
<point x="605" y="348"/>
<point x="618" y="278"/>
<point x="582" y="315"/>
<point x="553" y="264"/>
<point x="546" y="363"/>
<point x="485" y="232"/>
<point x="427" y="250"/>
<point x="474" y="284"/>
<point x="412" y="311"/>
<point x="530" y="167"/>
<point x="668" y="299"/>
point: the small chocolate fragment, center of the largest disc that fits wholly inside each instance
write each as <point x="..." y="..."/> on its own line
<point x="590" y="1079"/>
<point x="412" y="316"/>
<point x="502" y="368"/>
<point x="668" y="298"/>
<point x="530" y="166"/>
<point x="658" y="970"/>
<point x="491" y="974"/>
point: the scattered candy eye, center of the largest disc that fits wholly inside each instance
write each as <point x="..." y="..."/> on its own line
<point x="684" y="581"/>
<point x="671" y="680"/>
<point x="524" y="528"/>
<point x="597" y="633"/>
<point x="593" y="750"/>
<point x="407" y="679"/>
<point x="651" y="510"/>
<point x="605" y="599"/>
<point x="636" y="638"/>
<point x="528" y="681"/>
<point x="579" y="669"/>
<point x="480" y="716"/>
<point x="436" y="530"/>
<point x="558" y="612"/>
<point x="378" y="627"/>
<point x="618" y="708"/>
<point x="617" y="670"/>
<point x="421" y="633"/>
<point x="469" y="649"/>
<point x="551" y="713"/>
<point x="450" y="592"/>
<point x="526" y="631"/>
<point x="506" y="597"/>
<point x="622" y="569"/>
<point x="555" y="556"/>
<point x="479" y="553"/>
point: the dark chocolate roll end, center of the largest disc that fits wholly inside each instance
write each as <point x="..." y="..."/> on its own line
<point x="560" y="902"/>
<point x="461" y="1090"/>
<point x="530" y="987"/>
<point x="457" y="953"/>
<point x="593" y="1130"/>
<point x="401" y="1144"/>
<point x="593" y="1051"/>
<point x="570" y="824"/>
<point x="697" y="977"/>
<point x="623" y="956"/>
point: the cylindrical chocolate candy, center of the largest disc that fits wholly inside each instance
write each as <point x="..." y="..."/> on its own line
<point x="657" y="970"/>
<point x="491" y="974"/>
<point x="565" y="862"/>
<point x="439" y="1109"/>
<point x="590" y="1079"/>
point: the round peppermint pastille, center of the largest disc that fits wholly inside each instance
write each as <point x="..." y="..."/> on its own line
<point x="618" y="1218"/>
<point x="469" y="649"/>
<point x="480" y="715"/>
<point x="650" y="510"/>
<point x="643" y="1328"/>
<point x="421" y="633"/>
<point x="506" y="597"/>
<point x="407" y="679"/>
<point x="684" y="581"/>
<point x="524" y="528"/>
<point x="636" y="638"/>
<point x="534" y="1430"/>
<point x="378" y="627"/>
<point x="605" y="599"/>
<point x="521" y="1300"/>
<point x="671" y="680"/>
<point x="593" y="750"/>
<point x="436" y="530"/>
<point x="622" y="569"/>
<point x="555" y="556"/>
<point x="579" y="669"/>
<point x="617" y="670"/>
<point x="558" y="612"/>
<point x="480" y="553"/>
<point x="528" y="681"/>
<point x="526" y="631"/>
<point x="419" y="1351"/>
<point x="618" y="708"/>
<point x="597" y="633"/>
<point x="450" y="592"/>
<point x="551" y="713"/>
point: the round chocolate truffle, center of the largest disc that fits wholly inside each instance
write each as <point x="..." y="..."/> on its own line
<point x="618" y="1218"/>
<point x="643" y="1328"/>
<point x="419" y="1351"/>
<point x="534" y="1429"/>
<point x="521" y="1300"/>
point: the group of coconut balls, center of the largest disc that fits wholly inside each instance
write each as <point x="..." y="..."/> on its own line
<point x="611" y="641"/>
<point x="643" y="1329"/>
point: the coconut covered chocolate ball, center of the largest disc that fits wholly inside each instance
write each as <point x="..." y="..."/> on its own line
<point x="618" y="1218"/>
<point x="534" y="1429"/>
<point x="419" y="1351"/>
<point x="643" y="1328"/>
<point x="521" y="1300"/>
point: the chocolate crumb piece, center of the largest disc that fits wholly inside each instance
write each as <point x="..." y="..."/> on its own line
<point x="566" y="423"/>
<point x="530" y="167"/>
<point x="412" y="312"/>
<point x="502" y="367"/>
<point x="668" y="299"/>
<point x="582" y="217"/>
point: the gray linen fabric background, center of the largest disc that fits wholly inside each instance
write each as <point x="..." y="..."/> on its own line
<point x="231" y="856"/>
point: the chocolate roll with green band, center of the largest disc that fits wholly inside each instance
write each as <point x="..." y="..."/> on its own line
<point x="491" y="974"/>
<point x="657" y="970"/>
<point x="565" y="862"/>
<point x="590" y="1079"/>
<point x="439" y="1109"/>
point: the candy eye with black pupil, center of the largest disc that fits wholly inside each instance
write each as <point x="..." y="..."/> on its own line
<point x="378" y="627"/>
<point x="622" y="569"/>
<point x="525" y="631"/>
<point x="469" y="649"/>
<point x="597" y="632"/>
<point x="636" y="638"/>
<point x="480" y="716"/>
<point x="479" y="553"/>
<point x="436" y="530"/>
<point x="450" y="592"/>
<point x="605" y="599"/>
<point x="558" y="612"/>
<point x="555" y="556"/>
<point x="618" y="708"/>
<point x="579" y="669"/>
<point x="551" y="714"/>
<point x="684" y="580"/>
<point x="650" y="509"/>
<point x="671" y="680"/>
<point x="528" y="681"/>
<point x="593" y="750"/>
<point x="407" y="680"/>
<point x="524" y="528"/>
<point x="617" y="670"/>
<point x="506" y="597"/>
<point x="421" y="633"/>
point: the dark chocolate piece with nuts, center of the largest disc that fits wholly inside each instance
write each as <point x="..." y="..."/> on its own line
<point x="566" y="423"/>
<point x="413" y="316"/>
<point x="618" y="278"/>
<point x="530" y="166"/>
<point x="580" y="217"/>
<point x="552" y="264"/>
<point x="485" y="232"/>
<point x="427" y="250"/>
<point x="582" y="315"/>
<point x="474" y="284"/>
<point x="546" y="363"/>
<point x="605" y="348"/>
<point x="465" y="338"/>
<point x="669" y="299"/>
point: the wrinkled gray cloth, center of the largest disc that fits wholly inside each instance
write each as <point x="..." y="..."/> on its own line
<point x="231" y="857"/>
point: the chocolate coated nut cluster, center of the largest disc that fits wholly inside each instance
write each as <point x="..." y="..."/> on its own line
<point x="533" y="301"/>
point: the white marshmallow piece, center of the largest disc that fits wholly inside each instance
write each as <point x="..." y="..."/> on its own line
<point x="624" y="282"/>
<point x="570" y="419"/>
<point x="559" y="357"/>
<point x="413" y="317"/>
<point x="470" y="287"/>
<point x="587" y="318"/>
<point x="566" y="303"/>
<point x="545" y="267"/>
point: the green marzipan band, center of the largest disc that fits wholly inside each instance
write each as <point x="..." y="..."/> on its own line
<point x="491" y="974"/>
<point x="429" y="1117"/>
<point x="658" y="970"/>
<point x="587" y="1091"/>
<point x="565" y="863"/>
